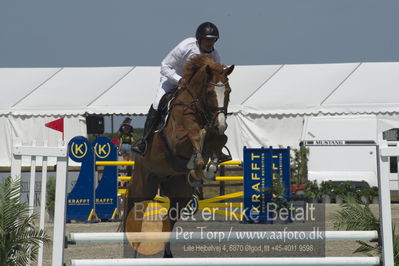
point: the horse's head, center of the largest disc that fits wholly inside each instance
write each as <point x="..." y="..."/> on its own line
<point x="208" y="84"/>
<point x="217" y="96"/>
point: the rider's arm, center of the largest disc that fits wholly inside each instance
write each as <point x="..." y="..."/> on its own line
<point x="168" y="65"/>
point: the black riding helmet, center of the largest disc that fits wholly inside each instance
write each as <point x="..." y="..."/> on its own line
<point x="207" y="30"/>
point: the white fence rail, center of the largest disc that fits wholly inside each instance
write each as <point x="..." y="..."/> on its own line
<point x="219" y="236"/>
<point x="33" y="152"/>
<point x="60" y="153"/>
<point x="358" y="261"/>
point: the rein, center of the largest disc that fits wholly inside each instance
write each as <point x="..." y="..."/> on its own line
<point x="207" y="111"/>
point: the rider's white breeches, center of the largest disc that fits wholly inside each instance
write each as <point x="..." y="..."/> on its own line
<point x="164" y="87"/>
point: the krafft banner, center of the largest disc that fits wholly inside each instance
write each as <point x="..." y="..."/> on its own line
<point x="107" y="189"/>
<point x="266" y="182"/>
<point x="80" y="202"/>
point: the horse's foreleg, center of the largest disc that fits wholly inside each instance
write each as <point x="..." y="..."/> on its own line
<point x="197" y="162"/>
<point x="211" y="169"/>
<point x="215" y="145"/>
<point x="213" y="149"/>
<point x="197" y="140"/>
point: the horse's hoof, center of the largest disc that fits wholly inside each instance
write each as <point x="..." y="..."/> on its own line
<point x="193" y="182"/>
<point x="196" y="175"/>
<point x="199" y="163"/>
<point x="165" y="255"/>
<point x="210" y="172"/>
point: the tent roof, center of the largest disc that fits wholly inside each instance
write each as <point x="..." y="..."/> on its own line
<point x="18" y="83"/>
<point x="260" y="89"/>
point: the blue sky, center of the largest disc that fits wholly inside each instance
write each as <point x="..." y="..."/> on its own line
<point x="129" y="32"/>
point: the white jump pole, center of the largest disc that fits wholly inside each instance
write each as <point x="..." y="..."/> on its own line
<point x="382" y="159"/>
<point x="231" y="261"/>
<point x="386" y="237"/>
<point x="219" y="236"/>
<point x="385" y="203"/>
<point x="60" y="209"/>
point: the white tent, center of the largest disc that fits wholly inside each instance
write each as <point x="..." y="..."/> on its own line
<point x="273" y="114"/>
<point x="268" y="103"/>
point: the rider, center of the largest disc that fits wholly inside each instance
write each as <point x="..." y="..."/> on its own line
<point x="172" y="71"/>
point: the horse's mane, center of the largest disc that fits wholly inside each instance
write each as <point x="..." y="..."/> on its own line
<point x="197" y="62"/>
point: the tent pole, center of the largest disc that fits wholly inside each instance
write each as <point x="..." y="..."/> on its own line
<point x="112" y="124"/>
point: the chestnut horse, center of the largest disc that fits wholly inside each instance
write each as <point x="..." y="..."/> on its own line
<point x="193" y="134"/>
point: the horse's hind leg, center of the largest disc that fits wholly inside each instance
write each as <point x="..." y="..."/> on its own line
<point x="167" y="252"/>
<point x="133" y="210"/>
<point x="179" y="192"/>
<point x="134" y="223"/>
<point x="176" y="205"/>
<point x="141" y="189"/>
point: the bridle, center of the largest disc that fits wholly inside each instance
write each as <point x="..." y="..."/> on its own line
<point x="217" y="109"/>
<point x="206" y="111"/>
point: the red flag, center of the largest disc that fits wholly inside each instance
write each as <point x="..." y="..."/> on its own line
<point x="57" y="125"/>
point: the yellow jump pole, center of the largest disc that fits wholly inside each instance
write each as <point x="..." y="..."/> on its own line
<point x="218" y="178"/>
<point x="114" y="163"/>
<point x="231" y="163"/>
<point x="229" y="178"/>
<point x="118" y="163"/>
<point x="124" y="178"/>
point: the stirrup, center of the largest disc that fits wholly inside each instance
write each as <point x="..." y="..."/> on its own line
<point x="225" y="157"/>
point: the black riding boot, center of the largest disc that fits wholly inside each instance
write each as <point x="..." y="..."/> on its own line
<point x="150" y="123"/>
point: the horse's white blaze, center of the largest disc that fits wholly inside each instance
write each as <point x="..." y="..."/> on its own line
<point x="220" y="89"/>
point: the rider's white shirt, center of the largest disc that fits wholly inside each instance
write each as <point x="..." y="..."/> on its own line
<point x="172" y="65"/>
